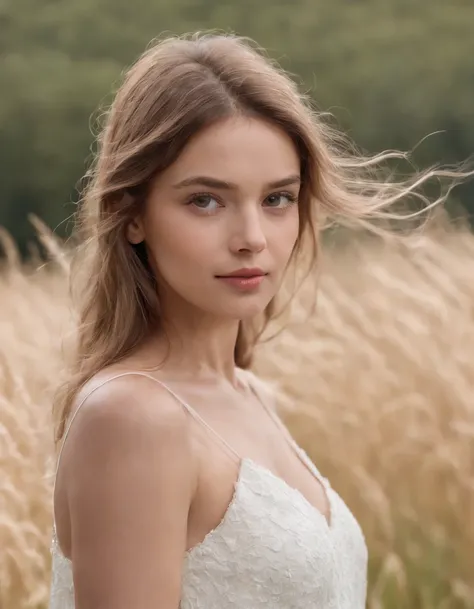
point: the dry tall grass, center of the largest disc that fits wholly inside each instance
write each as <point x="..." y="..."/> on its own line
<point x="381" y="385"/>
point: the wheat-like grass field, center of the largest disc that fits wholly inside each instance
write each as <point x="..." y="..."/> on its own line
<point x="379" y="386"/>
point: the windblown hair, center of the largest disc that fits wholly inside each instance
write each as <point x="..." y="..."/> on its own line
<point x="177" y="87"/>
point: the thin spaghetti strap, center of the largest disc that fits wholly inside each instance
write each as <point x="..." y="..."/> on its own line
<point x="185" y="405"/>
<point x="300" y="453"/>
<point x="192" y="412"/>
<point x="251" y="385"/>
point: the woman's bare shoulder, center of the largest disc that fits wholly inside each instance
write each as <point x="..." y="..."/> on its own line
<point x="114" y="413"/>
<point x="113" y="396"/>
<point x="131" y="481"/>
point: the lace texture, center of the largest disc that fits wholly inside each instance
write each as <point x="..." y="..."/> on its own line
<point x="272" y="550"/>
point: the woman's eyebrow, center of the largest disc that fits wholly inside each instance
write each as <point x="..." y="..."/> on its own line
<point x="221" y="184"/>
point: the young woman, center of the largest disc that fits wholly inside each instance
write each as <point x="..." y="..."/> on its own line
<point x="178" y="485"/>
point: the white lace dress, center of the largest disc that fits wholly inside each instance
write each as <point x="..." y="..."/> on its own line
<point x="273" y="549"/>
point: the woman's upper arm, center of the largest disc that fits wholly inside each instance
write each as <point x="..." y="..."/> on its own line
<point x="130" y="481"/>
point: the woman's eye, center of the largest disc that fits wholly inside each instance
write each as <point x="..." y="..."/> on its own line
<point x="205" y="202"/>
<point x="280" y="199"/>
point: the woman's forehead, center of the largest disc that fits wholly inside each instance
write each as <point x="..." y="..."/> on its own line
<point x="236" y="150"/>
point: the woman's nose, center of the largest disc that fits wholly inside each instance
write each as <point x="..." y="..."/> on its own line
<point x="248" y="233"/>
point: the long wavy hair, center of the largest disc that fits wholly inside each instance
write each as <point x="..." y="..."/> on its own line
<point x="177" y="87"/>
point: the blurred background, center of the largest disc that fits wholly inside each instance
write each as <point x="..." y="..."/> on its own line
<point x="391" y="71"/>
<point x="379" y="380"/>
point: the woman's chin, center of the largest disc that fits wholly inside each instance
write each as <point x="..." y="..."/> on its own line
<point x="248" y="310"/>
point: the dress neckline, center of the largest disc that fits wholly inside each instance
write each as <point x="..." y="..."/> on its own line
<point x="246" y="463"/>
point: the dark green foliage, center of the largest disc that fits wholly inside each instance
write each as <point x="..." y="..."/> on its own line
<point x="392" y="71"/>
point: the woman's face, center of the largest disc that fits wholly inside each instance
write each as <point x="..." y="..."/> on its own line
<point x="229" y="202"/>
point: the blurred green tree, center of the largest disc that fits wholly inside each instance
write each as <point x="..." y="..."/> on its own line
<point x="391" y="71"/>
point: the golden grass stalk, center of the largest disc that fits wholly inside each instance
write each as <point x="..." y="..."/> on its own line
<point x="379" y="386"/>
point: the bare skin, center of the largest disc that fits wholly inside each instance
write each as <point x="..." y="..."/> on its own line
<point x="140" y="482"/>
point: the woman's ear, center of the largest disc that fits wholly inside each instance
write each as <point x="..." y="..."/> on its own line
<point x="134" y="232"/>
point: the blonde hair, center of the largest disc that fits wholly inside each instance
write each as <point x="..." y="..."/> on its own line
<point x="177" y="87"/>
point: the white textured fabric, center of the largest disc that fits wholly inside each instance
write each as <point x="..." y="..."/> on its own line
<point x="273" y="549"/>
